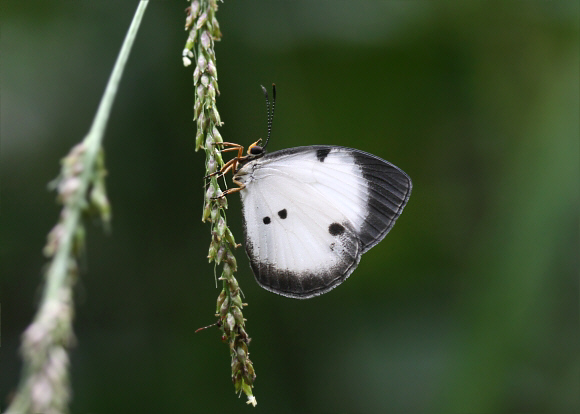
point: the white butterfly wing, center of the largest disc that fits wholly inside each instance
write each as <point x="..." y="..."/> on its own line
<point x="311" y="212"/>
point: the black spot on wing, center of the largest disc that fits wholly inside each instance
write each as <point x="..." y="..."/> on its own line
<point x="266" y="220"/>
<point x="283" y="214"/>
<point x="322" y="153"/>
<point x="336" y="229"/>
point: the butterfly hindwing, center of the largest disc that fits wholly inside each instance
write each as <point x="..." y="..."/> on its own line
<point x="311" y="212"/>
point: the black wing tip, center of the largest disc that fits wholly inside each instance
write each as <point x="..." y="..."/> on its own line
<point x="390" y="190"/>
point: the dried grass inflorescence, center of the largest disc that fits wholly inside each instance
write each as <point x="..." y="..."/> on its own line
<point x="203" y="32"/>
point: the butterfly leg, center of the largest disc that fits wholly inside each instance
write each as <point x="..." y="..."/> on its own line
<point x="229" y="191"/>
<point x="227" y="166"/>
<point x="240" y="187"/>
<point x="229" y="144"/>
<point x="233" y="147"/>
<point x="237" y="147"/>
<point x="231" y="164"/>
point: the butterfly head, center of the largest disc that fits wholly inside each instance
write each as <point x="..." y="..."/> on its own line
<point x="256" y="150"/>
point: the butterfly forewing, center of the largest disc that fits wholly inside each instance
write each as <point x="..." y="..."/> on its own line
<point x="389" y="189"/>
<point x="310" y="213"/>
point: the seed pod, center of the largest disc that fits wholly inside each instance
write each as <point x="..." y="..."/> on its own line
<point x="205" y="40"/>
<point x="201" y="63"/>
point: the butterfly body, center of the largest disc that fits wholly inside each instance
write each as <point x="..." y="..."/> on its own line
<point x="311" y="212"/>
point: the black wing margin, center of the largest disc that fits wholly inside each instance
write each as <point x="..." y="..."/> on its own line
<point x="389" y="191"/>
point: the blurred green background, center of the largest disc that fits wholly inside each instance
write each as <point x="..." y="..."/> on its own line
<point x="469" y="305"/>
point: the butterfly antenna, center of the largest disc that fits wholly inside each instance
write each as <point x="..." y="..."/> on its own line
<point x="270" y="114"/>
<point x="273" y="103"/>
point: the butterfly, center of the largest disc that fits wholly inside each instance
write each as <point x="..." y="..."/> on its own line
<point x="311" y="212"/>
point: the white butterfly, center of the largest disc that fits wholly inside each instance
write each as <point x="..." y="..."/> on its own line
<point x="311" y="212"/>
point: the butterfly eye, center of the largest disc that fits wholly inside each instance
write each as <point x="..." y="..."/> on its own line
<point x="256" y="150"/>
